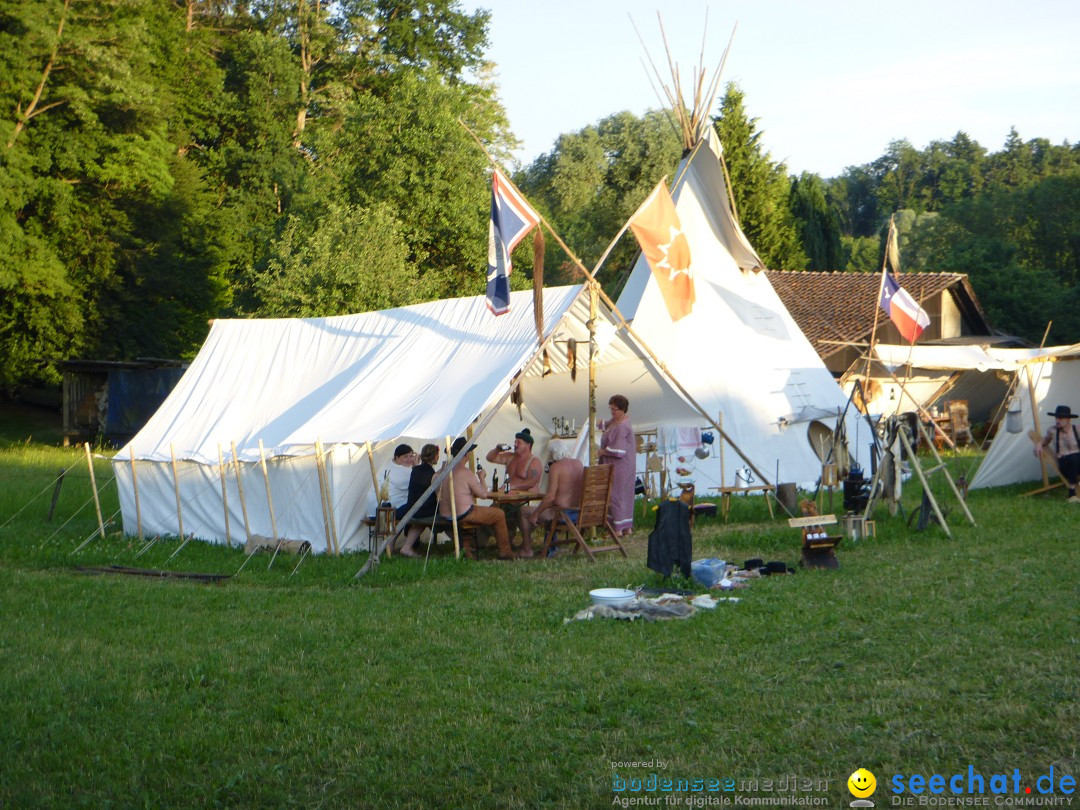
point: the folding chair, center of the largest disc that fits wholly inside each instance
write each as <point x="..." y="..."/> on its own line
<point x="592" y="512"/>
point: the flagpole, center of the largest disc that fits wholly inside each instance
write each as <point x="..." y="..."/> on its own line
<point x="625" y="227"/>
<point x="877" y="306"/>
<point x="623" y="322"/>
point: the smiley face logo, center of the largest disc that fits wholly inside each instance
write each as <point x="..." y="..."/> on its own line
<point x="861" y="783"/>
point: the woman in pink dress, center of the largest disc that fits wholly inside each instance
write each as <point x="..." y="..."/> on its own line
<point x="618" y="448"/>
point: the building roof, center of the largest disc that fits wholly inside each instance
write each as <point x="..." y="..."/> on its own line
<point x="838" y="306"/>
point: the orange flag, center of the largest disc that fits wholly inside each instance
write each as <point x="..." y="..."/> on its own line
<point x="659" y="232"/>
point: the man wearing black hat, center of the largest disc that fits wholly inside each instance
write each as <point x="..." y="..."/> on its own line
<point x="466" y="489"/>
<point x="1065" y="440"/>
<point x="523" y="471"/>
<point x="522" y="467"/>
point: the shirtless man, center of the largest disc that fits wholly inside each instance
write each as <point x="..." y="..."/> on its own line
<point x="565" y="477"/>
<point x="522" y="467"/>
<point x="467" y="488"/>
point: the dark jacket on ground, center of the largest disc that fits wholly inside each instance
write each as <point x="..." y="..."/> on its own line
<point x="670" y="543"/>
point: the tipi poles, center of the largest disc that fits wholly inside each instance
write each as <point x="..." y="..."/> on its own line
<point x="224" y="494"/>
<point x="93" y="486"/>
<point x="135" y="491"/>
<point x="240" y="490"/>
<point x="626" y="326"/>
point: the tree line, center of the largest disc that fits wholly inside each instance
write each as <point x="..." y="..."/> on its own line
<point x="1009" y="219"/>
<point x="165" y="162"/>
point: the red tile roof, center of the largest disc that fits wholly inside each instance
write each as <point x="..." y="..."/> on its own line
<point x="837" y="306"/>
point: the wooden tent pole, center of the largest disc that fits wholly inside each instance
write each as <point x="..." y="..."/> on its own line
<point x="926" y="486"/>
<point x="453" y="504"/>
<point x="93" y="486"/>
<point x="322" y="496"/>
<point x="176" y="490"/>
<point x="877" y="303"/>
<point x="1035" y="419"/>
<point x="330" y="505"/>
<point x="593" y="311"/>
<point x="269" y="497"/>
<point x="135" y="490"/>
<point x="224" y="494"/>
<point x="240" y="489"/>
<point x="378" y="501"/>
<point x="270" y="504"/>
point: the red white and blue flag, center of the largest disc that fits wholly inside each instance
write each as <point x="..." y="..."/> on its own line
<point x="511" y="219"/>
<point x="909" y="317"/>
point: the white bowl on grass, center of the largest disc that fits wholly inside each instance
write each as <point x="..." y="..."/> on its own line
<point x="612" y="597"/>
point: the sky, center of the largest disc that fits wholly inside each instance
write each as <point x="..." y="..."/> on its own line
<point x="832" y="82"/>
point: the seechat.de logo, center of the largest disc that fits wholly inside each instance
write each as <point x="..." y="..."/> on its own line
<point x="862" y="785"/>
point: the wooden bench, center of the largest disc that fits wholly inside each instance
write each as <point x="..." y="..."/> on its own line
<point x="818" y="546"/>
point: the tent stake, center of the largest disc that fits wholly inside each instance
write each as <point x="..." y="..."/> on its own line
<point x="135" y="490"/>
<point x="93" y="486"/>
<point x="176" y="489"/>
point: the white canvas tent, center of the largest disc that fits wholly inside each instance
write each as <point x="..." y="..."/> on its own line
<point x="927" y="375"/>
<point x="415" y="374"/>
<point x="1046" y="378"/>
<point x="739" y="353"/>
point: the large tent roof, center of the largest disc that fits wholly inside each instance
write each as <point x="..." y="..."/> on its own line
<point x="424" y="371"/>
<point x="969" y="357"/>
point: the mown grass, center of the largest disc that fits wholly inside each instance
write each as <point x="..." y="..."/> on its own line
<point x="460" y="685"/>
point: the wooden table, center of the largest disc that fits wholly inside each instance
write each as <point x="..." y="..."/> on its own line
<point x="726" y="493"/>
<point x="515" y="497"/>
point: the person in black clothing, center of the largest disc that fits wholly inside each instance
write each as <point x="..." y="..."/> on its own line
<point x="420" y="480"/>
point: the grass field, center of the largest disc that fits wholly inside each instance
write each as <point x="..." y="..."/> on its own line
<point x="460" y="684"/>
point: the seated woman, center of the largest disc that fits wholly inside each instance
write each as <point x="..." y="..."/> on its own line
<point x="419" y="481"/>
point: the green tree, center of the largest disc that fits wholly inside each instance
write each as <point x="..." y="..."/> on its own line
<point x="761" y="187"/>
<point x="817" y="224"/>
<point x="350" y="260"/>
<point x="591" y="183"/>
<point x="86" y="145"/>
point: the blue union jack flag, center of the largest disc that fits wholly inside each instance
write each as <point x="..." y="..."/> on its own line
<point x="511" y="219"/>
